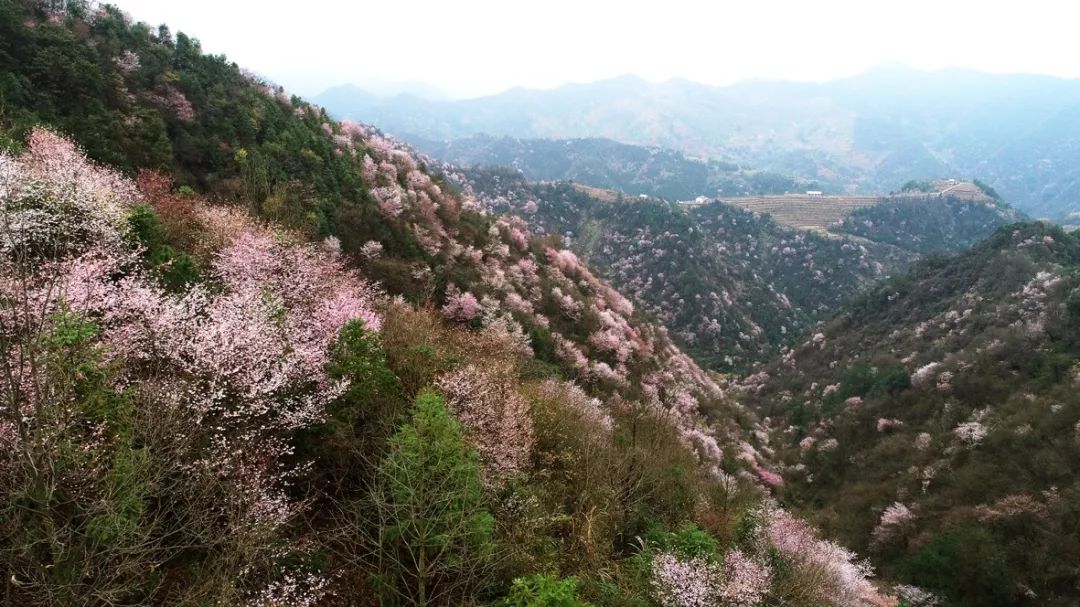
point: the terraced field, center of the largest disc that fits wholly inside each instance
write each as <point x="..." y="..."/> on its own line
<point x="805" y="212"/>
<point x="815" y="212"/>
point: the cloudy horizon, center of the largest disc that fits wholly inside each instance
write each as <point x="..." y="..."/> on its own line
<point x="483" y="47"/>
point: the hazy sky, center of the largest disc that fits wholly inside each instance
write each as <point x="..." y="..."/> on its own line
<point x="475" y="47"/>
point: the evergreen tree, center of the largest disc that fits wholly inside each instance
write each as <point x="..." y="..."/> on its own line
<point x="435" y="535"/>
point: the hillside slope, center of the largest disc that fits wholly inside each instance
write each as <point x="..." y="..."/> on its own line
<point x="733" y="286"/>
<point x="305" y="372"/>
<point x="603" y="163"/>
<point x="928" y="225"/>
<point x="936" y="422"/>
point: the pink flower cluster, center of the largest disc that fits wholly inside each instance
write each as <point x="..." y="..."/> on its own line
<point x="495" y="416"/>
<point x="893" y="519"/>
<point x="680" y="582"/>
<point x="767" y="477"/>
<point x="53" y="201"/>
<point x="884" y="424"/>
<point x="844" y="582"/>
<point x="460" y="306"/>
<point x="746" y="581"/>
<point x="970" y="433"/>
<point x="696" y="582"/>
<point x="244" y="359"/>
<point x="172" y="99"/>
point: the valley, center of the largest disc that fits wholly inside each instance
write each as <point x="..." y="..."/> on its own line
<point x="617" y="343"/>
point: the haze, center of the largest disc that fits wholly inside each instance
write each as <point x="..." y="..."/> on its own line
<point x="478" y="47"/>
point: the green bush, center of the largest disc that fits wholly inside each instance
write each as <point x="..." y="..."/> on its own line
<point x="175" y="270"/>
<point x="542" y="590"/>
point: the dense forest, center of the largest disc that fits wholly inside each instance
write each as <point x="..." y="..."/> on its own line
<point x="256" y="356"/>
<point x="935" y="423"/>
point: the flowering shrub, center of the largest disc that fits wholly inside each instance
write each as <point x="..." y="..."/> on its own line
<point x="844" y="581"/>
<point x="768" y="477"/>
<point x="56" y="203"/>
<point x="925" y="375"/>
<point x="746" y="581"/>
<point x="884" y="424"/>
<point x="495" y="416"/>
<point x="678" y="582"/>
<point x="462" y="307"/>
<point x="892" y="520"/>
<point x="970" y="433"/>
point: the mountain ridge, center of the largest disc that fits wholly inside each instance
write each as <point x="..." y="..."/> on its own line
<point x="952" y="122"/>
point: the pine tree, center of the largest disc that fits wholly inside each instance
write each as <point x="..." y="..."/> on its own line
<point x="436" y="537"/>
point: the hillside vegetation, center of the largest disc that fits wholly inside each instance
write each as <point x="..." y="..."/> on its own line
<point x="734" y="286"/>
<point x="935" y="424"/>
<point x="268" y="359"/>
<point x="603" y="163"/>
<point x="928" y="225"/>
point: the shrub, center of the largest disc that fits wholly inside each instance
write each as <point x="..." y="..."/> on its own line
<point x="541" y="590"/>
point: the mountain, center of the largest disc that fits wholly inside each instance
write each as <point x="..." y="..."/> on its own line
<point x="607" y="164"/>
<point x="935" y="423"/>
<point x="733" y="286"/>
<point x="254" y="356"/>
<point x="928" y="225"/>
<point x="868" y="133"/>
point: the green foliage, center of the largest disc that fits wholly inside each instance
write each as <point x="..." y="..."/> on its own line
<point x="542" y="590"/>
<point x="358" y="357"/>
<point x="436" y="535"/>
<point x="176" y="270"/>
<point x="348" y="443"/>
<point x="968" y="564"/>
<point x="689" y="541"/>
<point x="863" y="380"/>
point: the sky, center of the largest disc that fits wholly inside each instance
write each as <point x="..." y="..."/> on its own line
<point x="476" y="47"/>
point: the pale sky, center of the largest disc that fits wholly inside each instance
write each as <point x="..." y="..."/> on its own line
<point x="477" y="47"/>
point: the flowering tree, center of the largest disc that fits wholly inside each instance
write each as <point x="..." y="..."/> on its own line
<point x="231" y="370"/>
<point x="893" y="519"/>
<point x="495" y="416"/>
<point x="679" y="582"/>
<point x="841" y="580"/>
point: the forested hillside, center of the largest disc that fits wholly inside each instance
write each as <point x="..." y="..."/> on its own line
<point x="928" y="225"/>
<point x="733" y="286"/>
<point x="254" y="356"/>
<point x="935" y="424"/>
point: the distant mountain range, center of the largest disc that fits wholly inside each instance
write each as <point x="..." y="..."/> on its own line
<point x="605" y="163"/>
<point x="868" y="133"/>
